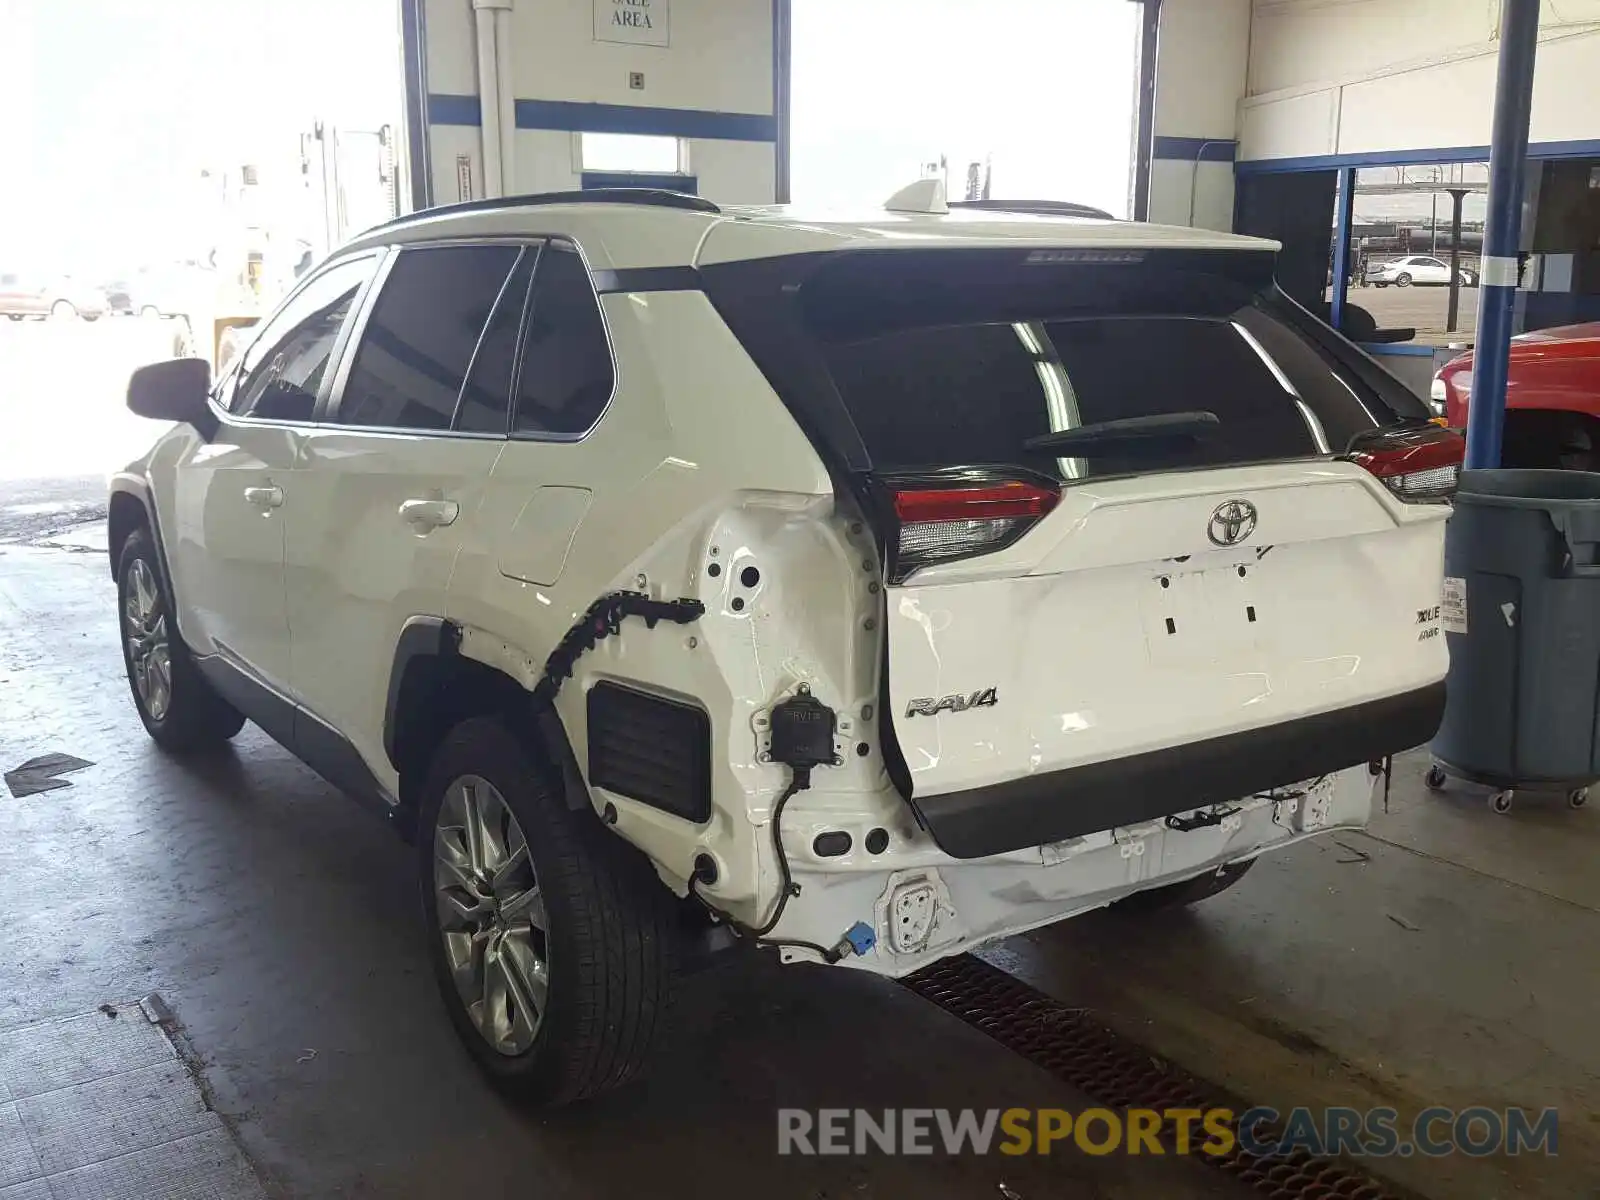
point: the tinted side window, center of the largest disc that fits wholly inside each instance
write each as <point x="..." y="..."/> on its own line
<point x="566" y="377"/>
<point x="283" y="369"/>
<point x="486" y="399"/>
<point x="418" y="343"/>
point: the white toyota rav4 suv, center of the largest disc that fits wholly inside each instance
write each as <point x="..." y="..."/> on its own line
<point x="866" y="589"/>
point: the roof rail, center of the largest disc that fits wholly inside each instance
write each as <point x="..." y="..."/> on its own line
<point x="1037" y="208"/>
<point x="658" y="197"/>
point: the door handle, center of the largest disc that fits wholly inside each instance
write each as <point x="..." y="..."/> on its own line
<point x="264" y="497"/>
<point x="429" y="514"/>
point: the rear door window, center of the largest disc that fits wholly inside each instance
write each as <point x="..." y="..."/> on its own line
<point x="486" y="399"/>
<point x="417" y="346"/>
<point x="566" y="377"/>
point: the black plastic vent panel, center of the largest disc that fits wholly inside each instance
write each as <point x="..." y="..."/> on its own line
<point x="650" y="749"/>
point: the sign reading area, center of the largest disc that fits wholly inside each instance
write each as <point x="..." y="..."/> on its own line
<point x="637" y="22"/>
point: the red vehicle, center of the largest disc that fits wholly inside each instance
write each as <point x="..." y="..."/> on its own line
<point x="1552" y="398"/>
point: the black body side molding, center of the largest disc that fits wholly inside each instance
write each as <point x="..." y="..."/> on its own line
<point x="1041" y="809"/>
<point x="313" y="741"/>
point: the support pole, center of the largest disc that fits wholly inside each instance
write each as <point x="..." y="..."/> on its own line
<point x="1144" y="148"/>
<point x="1457" y="195"/>
<point x="1497" y="283"/>
<point x="782" y="91"/>
<point x="1344" y="214"/>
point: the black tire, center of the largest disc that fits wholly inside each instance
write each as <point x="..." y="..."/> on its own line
<point x="1380" y="283"/>
<point x="1403" y="279"/>
<point x="195" y="718"/>
<point x="611" y="936"/>
<point x="1190" y="891"/>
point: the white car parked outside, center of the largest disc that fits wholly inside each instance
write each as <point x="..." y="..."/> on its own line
<point x="1419" y="269"/>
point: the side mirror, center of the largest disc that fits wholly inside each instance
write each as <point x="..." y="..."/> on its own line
<point x="175" y="390"/>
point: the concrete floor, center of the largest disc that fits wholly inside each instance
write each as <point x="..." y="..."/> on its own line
<point x="279" y="922"/>
<point x="1424" y="309"/>
<point x="1446" y="956"/>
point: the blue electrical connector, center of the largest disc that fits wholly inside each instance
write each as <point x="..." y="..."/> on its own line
<point x="858" y="939"/>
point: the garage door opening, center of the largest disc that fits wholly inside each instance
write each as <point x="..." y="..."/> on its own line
<point x="1033" y="101"/>
<point x="168" y="165"/>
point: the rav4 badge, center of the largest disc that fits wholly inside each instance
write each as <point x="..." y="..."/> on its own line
<point x="930" y="706"/>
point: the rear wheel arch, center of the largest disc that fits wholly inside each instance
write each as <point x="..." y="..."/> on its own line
<point x="433" y="688"/>
<point x="1551" y="438"/>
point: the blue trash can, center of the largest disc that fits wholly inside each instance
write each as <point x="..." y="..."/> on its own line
<point x="1521" y="614"/>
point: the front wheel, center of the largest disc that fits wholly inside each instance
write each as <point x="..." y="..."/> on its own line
<point x="553" y="942"/>
<point x="1190" y="891"/>
<point x="1402" y="280"/>
<point x="179" y="709"/>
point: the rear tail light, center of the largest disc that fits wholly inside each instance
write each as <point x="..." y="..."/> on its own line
<point x="1419" y="464"/>
<point x="955" y="515"/>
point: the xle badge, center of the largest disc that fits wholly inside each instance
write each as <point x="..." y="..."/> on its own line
<point x="931" y="706"/>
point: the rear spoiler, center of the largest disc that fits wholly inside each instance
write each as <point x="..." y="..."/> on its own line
<point x="1036" y="208"/>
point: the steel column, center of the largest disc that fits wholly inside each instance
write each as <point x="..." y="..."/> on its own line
<point x="1343" y="218"/>
<point x="1457" y="195"/>
<point x="1144" y="147"/>
<point x="1497" y="283"/>
<point x="782" y="96"/>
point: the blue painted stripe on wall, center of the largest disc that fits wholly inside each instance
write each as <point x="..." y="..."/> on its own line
<point x="444" y="109"/>
<point x="1191" y="149"/>
<point x="1408" y="158"/>
<point x="565" y="115"/>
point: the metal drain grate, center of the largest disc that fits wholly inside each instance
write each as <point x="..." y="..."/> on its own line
<point x="1118" y="1074"/>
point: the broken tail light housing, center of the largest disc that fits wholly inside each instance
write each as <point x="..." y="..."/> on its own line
<point x="1421" y="464"/>
<point x="945" y="516"/>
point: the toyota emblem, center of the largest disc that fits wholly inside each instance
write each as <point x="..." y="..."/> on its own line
<point x="1231" y="522"/>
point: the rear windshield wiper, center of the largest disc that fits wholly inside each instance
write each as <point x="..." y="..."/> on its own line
<point x="1105" y="436"/>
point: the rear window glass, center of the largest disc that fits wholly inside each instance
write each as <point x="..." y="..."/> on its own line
<point x="959" y="358"/>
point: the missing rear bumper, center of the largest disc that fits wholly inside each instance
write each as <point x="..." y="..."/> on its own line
<point x="1040" y="809"/>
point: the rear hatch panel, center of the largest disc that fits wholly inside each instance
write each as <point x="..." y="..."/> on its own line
<point x="1134" y="669"/>
<point x="1180" y="619"/>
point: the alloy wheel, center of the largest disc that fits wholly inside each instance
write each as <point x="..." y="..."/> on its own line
<point x="491" y="914"/>
<point x="144" y="625"/>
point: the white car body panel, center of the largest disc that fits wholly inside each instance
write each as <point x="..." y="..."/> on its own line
<point x="226" y="551"/>
<point x="1070" y="624"/>
<point x="357" y="569"/>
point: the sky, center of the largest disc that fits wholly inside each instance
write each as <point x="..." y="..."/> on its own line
<point x="112" y="108"/>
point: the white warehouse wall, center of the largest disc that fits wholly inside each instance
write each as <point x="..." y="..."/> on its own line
<point x="1339" y="77"/>
<point x="712" y="82"/>
<point x="1201" y="68"/>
